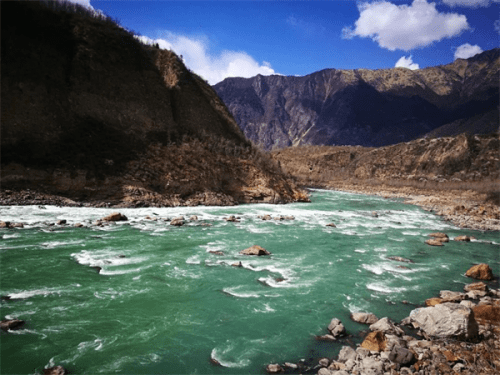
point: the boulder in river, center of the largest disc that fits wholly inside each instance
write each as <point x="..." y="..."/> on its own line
<point x="274" y="368"/>
<point x="255" y="250"/>
<point x="443" y="237"/>
<point x="56" y="370"/>
<point x="434" y="242"/>
<point x="331" y="225"/>
<point x="115" y="216"/>
<point x="177" y="221"/>
<point x="336" y="328"/>
<point x="232" y="219"/>
<point x="400" y="259"/>
<point x="11" y="324"/>
<point x="238" y="264"/>
<point x="364" y="318"/>
<point x="446" y="320"/>
<point x="480" y="271"/>
<point x="216" y="252"/>
<point x="4" y="224"/>
<point x="61" y="222"/>
<point x="462" y="238"/>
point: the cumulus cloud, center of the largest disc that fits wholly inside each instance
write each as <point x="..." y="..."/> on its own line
<point x="407" y="62"/>
<point x="212" y="67"/>
<point x="405" y="27"/>
<point x="469" y="3"/>
<point x="466" y="50"/>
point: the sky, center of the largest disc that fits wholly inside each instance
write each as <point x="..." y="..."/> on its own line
<point x="220" y="39"/>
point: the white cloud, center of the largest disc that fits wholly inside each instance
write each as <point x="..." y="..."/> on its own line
<point x="405" y="27"/>
<point x="212" y="67"/>
<point x="469" y="3"/>
<point x="306" y="28"/>
<point x="85" y="3"/>
<point x="466" y="50"/>
<point x="496" y="25"/>
<point x="407" y="62"/>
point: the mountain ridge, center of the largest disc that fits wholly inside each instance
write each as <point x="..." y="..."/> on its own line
<point x="361" y="106"/>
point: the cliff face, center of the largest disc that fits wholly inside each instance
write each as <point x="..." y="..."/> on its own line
<point x="90" y="113"/>
<point x="367" y="107"/>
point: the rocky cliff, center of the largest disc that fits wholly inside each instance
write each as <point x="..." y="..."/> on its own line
<point x="91" y="114"/>
<point x="367" y="107"/>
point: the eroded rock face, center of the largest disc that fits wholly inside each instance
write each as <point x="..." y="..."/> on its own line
<point x="255" y="250"/>
<point x="480" y="271"/>
<point x="445" y="320"/>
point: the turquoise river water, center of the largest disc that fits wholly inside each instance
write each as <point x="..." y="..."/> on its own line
<point x="163" y="304"/>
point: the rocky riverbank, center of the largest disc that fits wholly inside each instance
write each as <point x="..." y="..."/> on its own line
<point x="464" y="208"/>
<point x="455" y="333"/>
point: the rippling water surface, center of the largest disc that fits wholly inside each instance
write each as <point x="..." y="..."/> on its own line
<point x="162" y="303"/>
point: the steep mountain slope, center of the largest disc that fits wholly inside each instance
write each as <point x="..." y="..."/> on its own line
<point x="90" y="113"/>
<point x="366" y="107"/>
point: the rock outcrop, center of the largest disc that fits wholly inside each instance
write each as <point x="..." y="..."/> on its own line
<point x="255" y="250"/>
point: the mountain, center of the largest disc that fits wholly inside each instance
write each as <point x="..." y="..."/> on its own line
<point x="367" y="107"/>
<point x="91" y="114"/>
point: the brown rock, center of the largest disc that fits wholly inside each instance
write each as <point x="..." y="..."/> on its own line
<point x="115" y="216"/>
<point x="17" y="225"/>
<point x="178" y="221"/>
<point x="61" y="222"/>
<point x="462" y="238"/>
<point x="480" y="271"/>
<point x="12" y="324"/>
<point x="56" y="370"/>
<point x="78" y="225"/>
<point x="434" y="242"/>
<point x="237" y="264"/>
<point x="487" y="313"/>
<point x="375" y="341"/>
<point x="364" y="318"/>
<point x="255" y="250"/>
<point x="4" y="224"/>
<point x="331" y="225"/>
<point x="443" y="237"/>
<point x="433" y="301"/>
<point x="450" y="357"/>
<point x="232" y="219"/>
<point x="476" y="286"/>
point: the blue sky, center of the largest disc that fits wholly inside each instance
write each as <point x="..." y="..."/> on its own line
<point x="219" y="39"/>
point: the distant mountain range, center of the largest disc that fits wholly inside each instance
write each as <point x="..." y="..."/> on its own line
<point x="367" y="107"/>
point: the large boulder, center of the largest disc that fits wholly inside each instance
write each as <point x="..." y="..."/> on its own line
<point x="346" y="353"/>
<point x="255" y="250"/>
<point x="443" y="237"/>
<point x="446" y="320"/>
<point x="177" y="221"/>
<point x="364" y="318"/>
<point x="115" y="216"/>
<point x="434" y="242"/>
<point x="476" y="286"/>
<point x="480" y="271"/>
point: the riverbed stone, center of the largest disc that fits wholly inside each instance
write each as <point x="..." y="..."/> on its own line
<point x="446" y="320"/>
<point x="274" y="368"/>
<point x="55" y="370"/>
<point x="443" y="237"/>
<point x="11" y="324"/>
<point x="364" y="318"/>
<point x="462" y="239"/>
<point x="434" y="242"/>
<point x="480" y="271"/>
<point x="115" y="216"/>
<point x="476" y="286"/>
<point x="433" y="301"/>
<point x="177" y="221"/>
<point x="255" y="250"/>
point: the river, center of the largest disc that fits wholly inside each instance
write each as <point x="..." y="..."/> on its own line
<point x="162" y="303"/>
